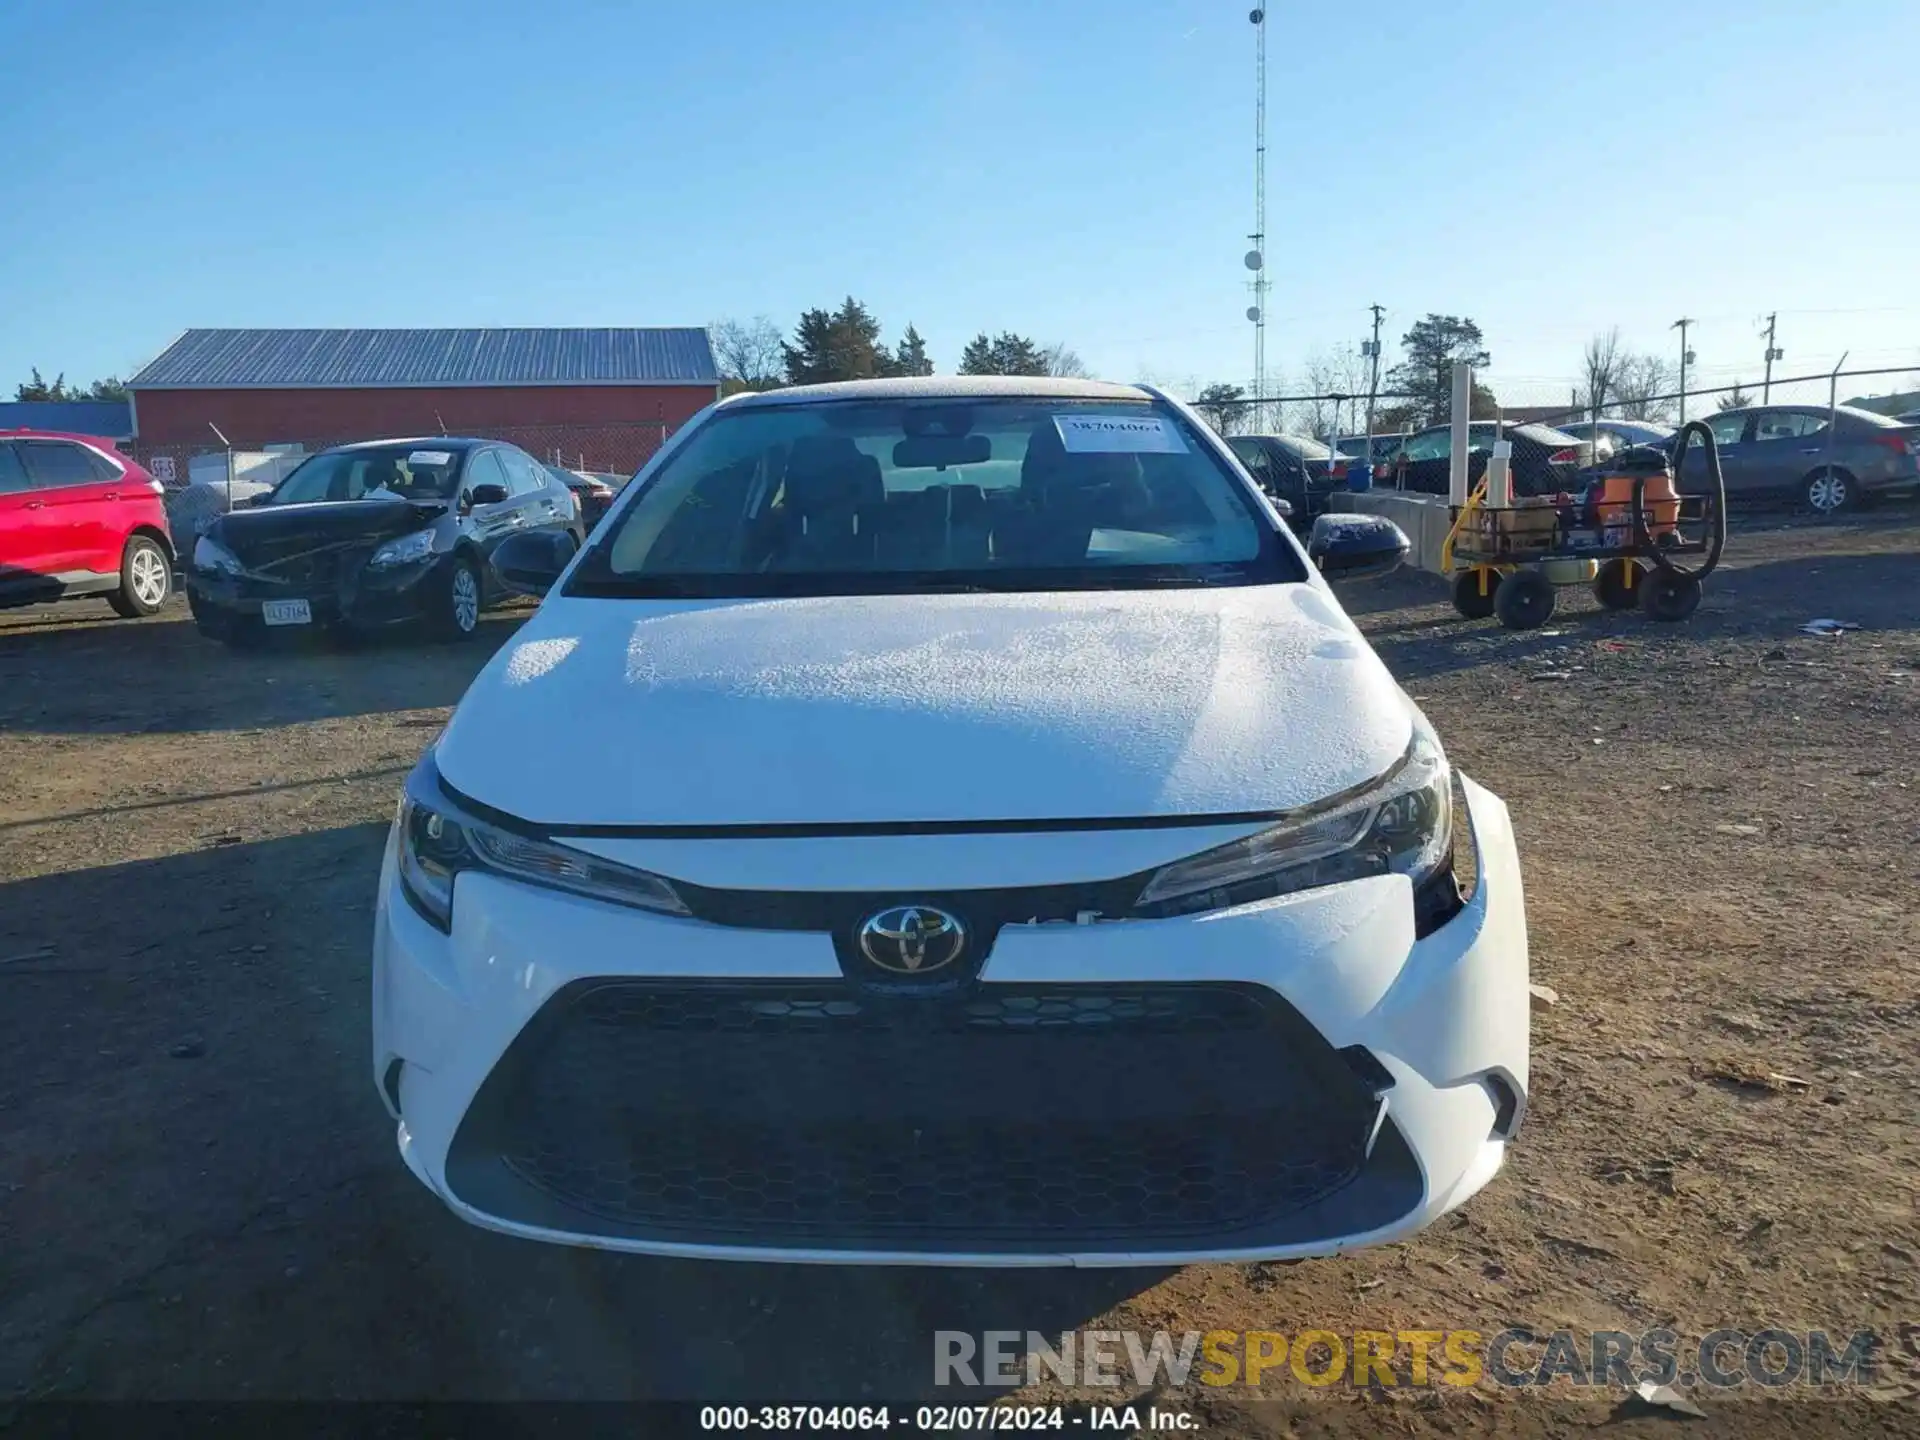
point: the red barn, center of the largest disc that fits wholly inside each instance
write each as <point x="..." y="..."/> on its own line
<point x="589" y="399"/>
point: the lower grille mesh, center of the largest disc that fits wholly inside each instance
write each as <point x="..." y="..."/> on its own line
<point x="1017" y="1116"/>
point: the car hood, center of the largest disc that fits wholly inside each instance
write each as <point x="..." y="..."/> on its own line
<point x="951" y="708"/>
<point x="275" y="531"/>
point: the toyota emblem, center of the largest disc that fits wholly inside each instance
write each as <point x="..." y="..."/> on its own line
<point x="912" y="939"/>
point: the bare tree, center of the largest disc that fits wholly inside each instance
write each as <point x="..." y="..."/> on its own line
<point x="1641" y="386"/>
<point x="1336" y="384"/>
<point x="1064" y="361"/>
<point x="749" y="353"/>
<point x="1600" y="365"/>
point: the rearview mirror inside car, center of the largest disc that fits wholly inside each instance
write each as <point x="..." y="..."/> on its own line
<point x="937" y="452"/>
<point x="487" y="495"/>
<point x="529" y="563"/>
<point x="1357" y="547"/>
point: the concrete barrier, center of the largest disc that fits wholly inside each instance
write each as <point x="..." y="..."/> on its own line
<point x="1425" y="518"/>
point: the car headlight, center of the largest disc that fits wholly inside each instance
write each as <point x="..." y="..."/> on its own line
<point x="405" y="550"/>
<point x="210" y="555"/>
<point x="439" y="839"/>
<point x="1400" y="824"/>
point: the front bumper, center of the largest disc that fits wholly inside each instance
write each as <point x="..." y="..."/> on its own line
<point x="1378" y="1089"/>
<point x="350" y="593"/>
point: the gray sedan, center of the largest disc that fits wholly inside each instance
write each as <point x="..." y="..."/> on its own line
<point x="1830" y="459"/>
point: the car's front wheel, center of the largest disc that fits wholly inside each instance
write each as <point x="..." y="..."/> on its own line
<point x="456" y="610"/>
<point x="146" y="578"/>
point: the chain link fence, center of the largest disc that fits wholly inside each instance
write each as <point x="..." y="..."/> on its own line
<point x="1786" y="435"/>
<point x="202" y="481"/>
<point x="616" y="447"/>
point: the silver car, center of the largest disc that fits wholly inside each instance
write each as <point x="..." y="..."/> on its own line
<point x="1831" y="459"/>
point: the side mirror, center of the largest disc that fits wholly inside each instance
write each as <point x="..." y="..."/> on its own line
<point x="1357" y="547"/>
<point x="529" y="563"/>
<point x="1285" y="507"/>
<point x="487" y="495"/>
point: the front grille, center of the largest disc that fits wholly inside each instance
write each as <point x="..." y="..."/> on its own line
<point x="314" y="572"/>
<point x="308" y="572"/>
<point x="1009" y="1118"/>
<point x="841" y="911"/>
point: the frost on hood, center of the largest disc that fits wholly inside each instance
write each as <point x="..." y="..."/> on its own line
<point x="931" y="707"/>
<point x="531" y="659"/>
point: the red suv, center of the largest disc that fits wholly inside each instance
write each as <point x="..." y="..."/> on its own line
<point x="79" y="518"/>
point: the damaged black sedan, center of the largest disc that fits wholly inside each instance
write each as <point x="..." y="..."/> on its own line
<point x="366" y="536"/>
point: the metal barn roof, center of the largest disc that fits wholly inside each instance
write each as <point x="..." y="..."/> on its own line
<point x="306" y="359"/>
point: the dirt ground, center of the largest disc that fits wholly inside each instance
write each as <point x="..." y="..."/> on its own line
<point x="1719" y="822"/>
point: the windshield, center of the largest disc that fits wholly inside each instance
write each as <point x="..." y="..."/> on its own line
<point x="1306" y="448"/>
<point x="412" y="472"/>
<point x="856" y="497"/>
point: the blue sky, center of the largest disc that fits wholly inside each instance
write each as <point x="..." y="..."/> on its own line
<point x="1077" y="170"/>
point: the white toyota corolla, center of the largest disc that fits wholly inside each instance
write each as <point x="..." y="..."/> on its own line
<point x="996" y="846"/>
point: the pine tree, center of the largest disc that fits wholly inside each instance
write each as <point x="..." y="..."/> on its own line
<point x="1425" y="376"/>
<point x="911" y="356"/>
<point x="1005" y="354"/>
<point x="841" y="345"/>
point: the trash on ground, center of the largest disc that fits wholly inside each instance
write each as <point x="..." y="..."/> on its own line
<point x="1543" y="996"/>
<point x="1667" y="1398"/>
<point x="1751" y="1075"/>
<point x="1553" y="675"/>
<point x="1737" y="829"/>
<point x="1828" y="627"/>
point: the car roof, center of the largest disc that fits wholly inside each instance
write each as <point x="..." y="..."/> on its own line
<point x="1853" y="411"/>
<point x="940" y="387"/>
<point x="27" y="432"/>
<point x="1529" y="429"/>
<point x="437" y="442"/>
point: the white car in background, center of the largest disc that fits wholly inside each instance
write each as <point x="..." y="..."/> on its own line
<point x="1005" y="851"/>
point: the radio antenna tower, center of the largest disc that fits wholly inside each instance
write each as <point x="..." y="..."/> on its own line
<point x="1256" y="259"/>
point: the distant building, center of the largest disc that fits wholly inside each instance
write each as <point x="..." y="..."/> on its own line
<point x="1902" y="403"/>
<point x="103" y="419"/>
<point x="602" y="398"/>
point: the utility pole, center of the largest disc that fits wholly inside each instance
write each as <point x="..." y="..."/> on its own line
<point x="1774" y="353"/>
<point x="1373" y="376"/>
<point x="1686" y="359"/>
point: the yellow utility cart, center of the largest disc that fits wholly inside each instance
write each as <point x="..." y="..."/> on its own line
<point x="1627" y="536"/>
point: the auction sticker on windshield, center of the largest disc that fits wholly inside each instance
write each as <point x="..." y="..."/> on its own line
<point x="430" y="457"/>
<point x="1119" y="435"/>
